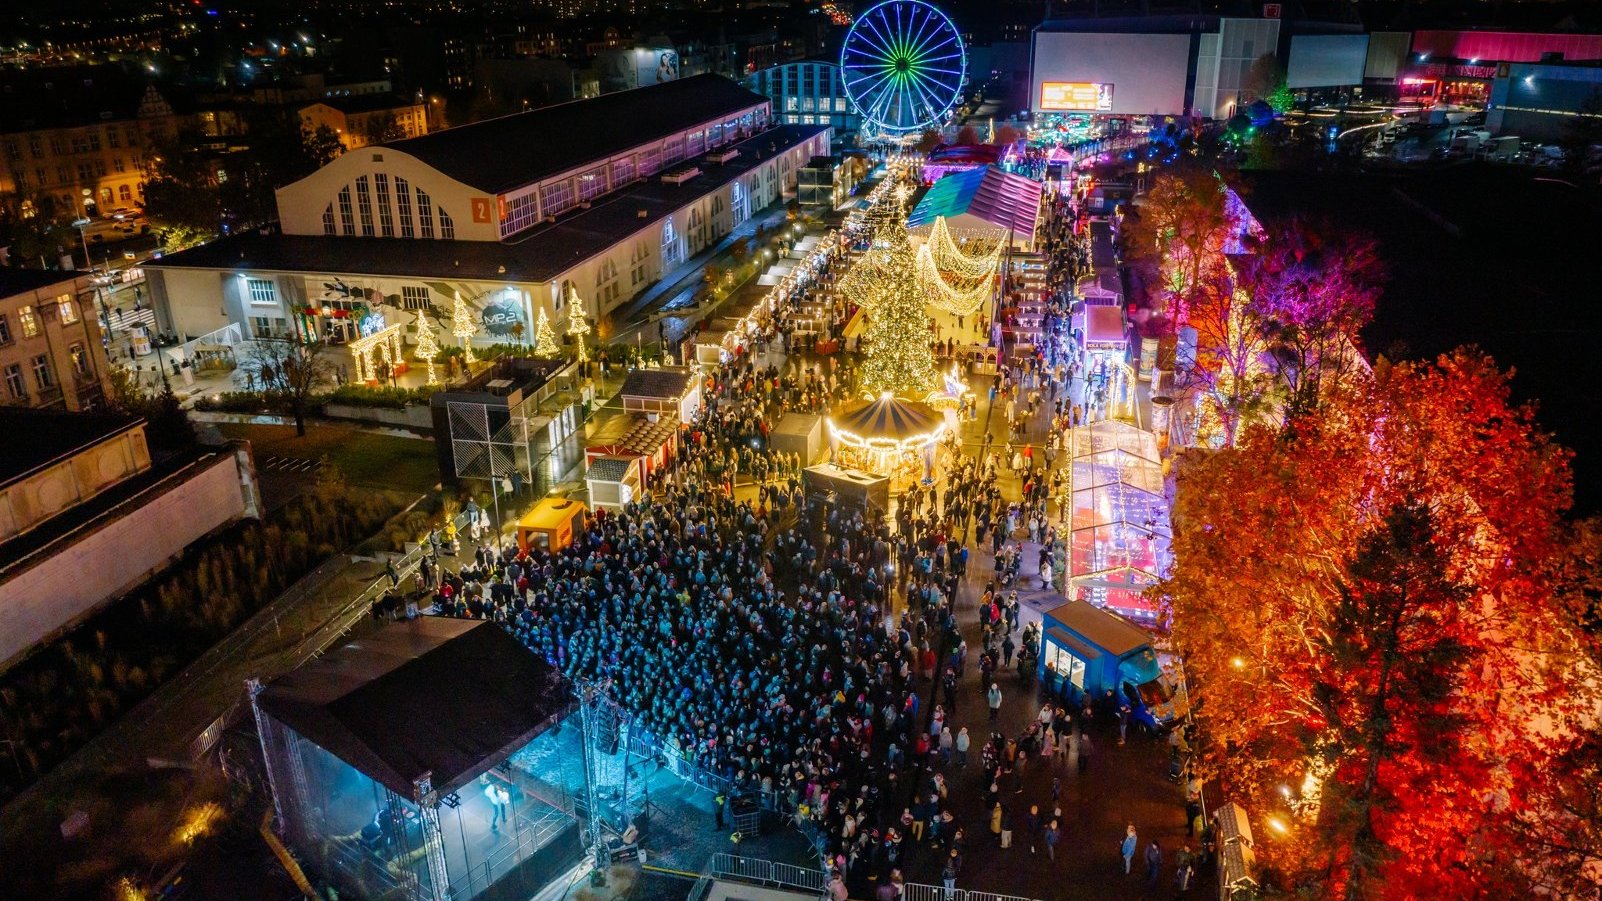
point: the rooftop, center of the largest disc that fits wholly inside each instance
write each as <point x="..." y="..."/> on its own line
<point x="51" y="436"/>
<point x="68" y="96"/>
<point x="364" y="103"/>
<point x="15" y="281"/>
<point x="509" y="152"/>
<point x="670" y="383"/>
<point x="984" y="197"/>
<point x="449" y="697"/>
<point x="539" y="254"/>
<point x="1108" y="631"/>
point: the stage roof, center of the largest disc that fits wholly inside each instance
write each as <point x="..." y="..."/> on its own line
<point x="447" y="696"/>
<point x="984" y="199"/>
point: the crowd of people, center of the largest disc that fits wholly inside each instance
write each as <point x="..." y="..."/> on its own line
<point x="793" y="649"/>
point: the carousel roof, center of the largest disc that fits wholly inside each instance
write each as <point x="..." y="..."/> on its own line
<point x="888" y="417"/>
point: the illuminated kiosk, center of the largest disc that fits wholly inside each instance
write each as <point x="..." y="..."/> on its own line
<point x="383" y="754"/>
<point x="889" y="437"/>
<point x="1119" y="532"/>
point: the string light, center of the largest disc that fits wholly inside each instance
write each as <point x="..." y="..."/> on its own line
<point x="544" y="338"/>
<point x="898" y="359"/>
<point x="427" y="347"/>
<point x="577" y="327"/>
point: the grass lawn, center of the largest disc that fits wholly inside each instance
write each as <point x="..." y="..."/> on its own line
<point x="366" y="458"/>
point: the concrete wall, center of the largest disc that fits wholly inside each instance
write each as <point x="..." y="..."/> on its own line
<point x="68" y="580"/>
<point x="1148" y="72"/>
<point x="415" y="416"/>
<point x="72" y="481"/>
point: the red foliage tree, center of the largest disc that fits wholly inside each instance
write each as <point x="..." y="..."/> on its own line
<point x="1352" y="593"/>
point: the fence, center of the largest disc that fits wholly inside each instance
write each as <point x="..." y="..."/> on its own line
<point x="766" y="872"/>
<point x="914" y="891"/>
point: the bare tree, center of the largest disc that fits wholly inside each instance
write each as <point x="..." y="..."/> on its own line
<point x="290" y="374"/>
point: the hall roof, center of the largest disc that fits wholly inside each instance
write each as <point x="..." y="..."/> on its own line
<point x="539" y="254"/>
<point x="451" y="697"/>
<point x="508" y="152"/>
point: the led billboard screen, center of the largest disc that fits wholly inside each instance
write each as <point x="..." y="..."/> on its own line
<point x="1076" y="96"/>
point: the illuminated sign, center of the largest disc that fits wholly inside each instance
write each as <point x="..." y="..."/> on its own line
<point x="1076" y="96"/>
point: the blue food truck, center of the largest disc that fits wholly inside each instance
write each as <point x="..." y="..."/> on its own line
<point x="1087" y="650"/>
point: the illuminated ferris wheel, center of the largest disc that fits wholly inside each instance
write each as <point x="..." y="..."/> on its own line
<point x="904" y="65"/>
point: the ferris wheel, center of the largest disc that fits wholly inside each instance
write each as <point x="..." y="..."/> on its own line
<point x="904" y="65"/>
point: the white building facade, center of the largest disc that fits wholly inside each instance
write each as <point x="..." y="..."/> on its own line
<point x="602" y="196"/>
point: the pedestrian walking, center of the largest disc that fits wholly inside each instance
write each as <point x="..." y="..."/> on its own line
<point x="1154" y="863"/>
<point x="1128" y="848"/>
<point x="994" y="698"/>
<point x="963" y="743"/>
<point x="718" y="803"/>
<point x="1052" y="835"/>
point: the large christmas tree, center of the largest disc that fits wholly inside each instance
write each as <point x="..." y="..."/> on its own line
<point x="898" y="359"/>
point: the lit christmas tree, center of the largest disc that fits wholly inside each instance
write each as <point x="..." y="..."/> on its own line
<point x="463" y="327"/>
<point x="544" y="338"/>
<point x="427" y="348"/>
<point x="898" y="357"/>
<point x="577" y="328"/>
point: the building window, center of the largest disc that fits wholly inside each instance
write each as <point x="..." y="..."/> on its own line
<point x="623" y="171"/>
<point x="403" y="200"/>
<point x="124" y="194"/>
<point x="262" y="291"/>
<point x="80" y="359"/>
<point x="386" y="221"/>
<point x="425" y="213"/>
<point x="5" y="329"/>
<point x="592" y="184"/>
<point x="41" y="372"/>
<point x="414" y="297"/>
<point x="30" y="322"/>
<point x="556" y="196"/>
<point x="672" y="150"/>
<point x="15" y="386"/>
<point x="329" y="228"/>
<point x="650" y="161"/>
<point x="112" y="138"/>
<point x="347" y="220"/>
<point x="447" y="228"/>
<point x="364" y="206"/>
<point x="68" y="308"/>
<point x="520" y="212"/>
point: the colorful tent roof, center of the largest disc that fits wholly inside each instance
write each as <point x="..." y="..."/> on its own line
<point x="984" y="199"/>
<point x="888" y="418"/>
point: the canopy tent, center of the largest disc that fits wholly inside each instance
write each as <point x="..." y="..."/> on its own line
<point x="439" y="696"/>
<point x="888" y="418"/>
<point x="888" y="437"/>
<point x="987" y="201"/>
<point x="1119" y="540"/>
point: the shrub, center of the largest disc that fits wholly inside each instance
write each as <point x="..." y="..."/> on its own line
<point x="233" y="402"/>
<point x="60" y="697"/>
<point x="364" y="396"/>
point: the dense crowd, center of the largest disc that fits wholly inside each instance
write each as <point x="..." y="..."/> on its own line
<point x="792" y="649"/>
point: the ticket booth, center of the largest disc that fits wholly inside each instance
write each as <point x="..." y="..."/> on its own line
<point x="551" y="525"/>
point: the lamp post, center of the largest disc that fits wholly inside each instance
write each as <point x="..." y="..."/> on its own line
<point x="80" y="224"/>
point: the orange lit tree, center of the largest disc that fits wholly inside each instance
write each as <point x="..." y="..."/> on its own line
<point x="1185" y="221"/>
<point x="1353" y="592"/>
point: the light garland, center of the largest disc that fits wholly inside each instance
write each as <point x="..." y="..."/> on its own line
<point x="956" y="301"/>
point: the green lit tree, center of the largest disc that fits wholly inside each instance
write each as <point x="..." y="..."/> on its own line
<point x="898" y="358"/>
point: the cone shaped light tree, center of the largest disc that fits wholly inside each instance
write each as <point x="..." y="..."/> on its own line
<point x="544" y="338"/>
<point x="898" y="358"/>
<point x="463" y="327"/>
<point x="427" y="347"/>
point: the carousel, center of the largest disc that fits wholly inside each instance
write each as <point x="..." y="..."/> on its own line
<point x="890" y="437"/>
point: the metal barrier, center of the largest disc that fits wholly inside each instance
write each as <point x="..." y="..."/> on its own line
<point x="915" y="891"/>
<point x="766" y="872"/>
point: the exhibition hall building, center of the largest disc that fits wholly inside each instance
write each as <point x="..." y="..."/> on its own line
<point x="592" y="200"/>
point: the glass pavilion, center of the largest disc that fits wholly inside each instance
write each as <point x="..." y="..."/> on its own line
<point x="1119" y="535"/>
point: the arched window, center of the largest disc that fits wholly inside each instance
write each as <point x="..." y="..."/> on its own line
<point x="328" y="221"/>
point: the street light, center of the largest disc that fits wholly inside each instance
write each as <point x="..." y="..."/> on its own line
<point x="81" y="224"/>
